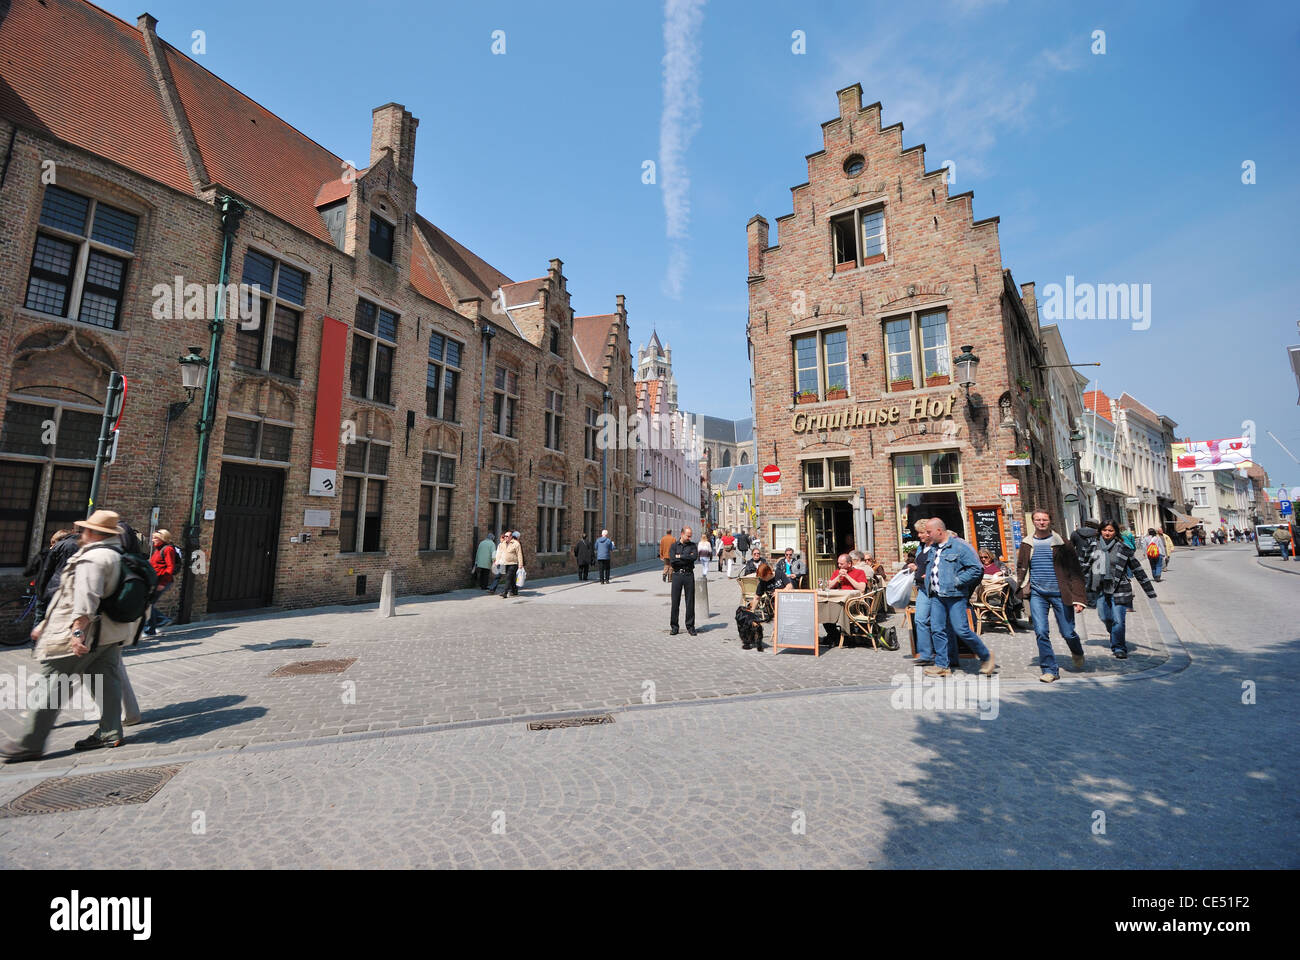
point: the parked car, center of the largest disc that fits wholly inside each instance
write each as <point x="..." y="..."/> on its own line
<point x="1264" y="542"/>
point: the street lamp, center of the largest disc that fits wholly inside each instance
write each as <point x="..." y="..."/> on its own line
<point x="965" y="364"/>
<point x="1077" y="441"/>
<point x="192" y="372"/>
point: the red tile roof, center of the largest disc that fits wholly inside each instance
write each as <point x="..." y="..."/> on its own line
<point x="525" y="291"/>
<point x="423" y="277"/>
<point x="334" y="190"/>
<point x="1129" y="402"/>
<point x="591" y="334"/>
<point x="251" y="151"/>
<point x="78" y="74"/>
<point x="1098" y="401"/>
<point x="466" y="274"/>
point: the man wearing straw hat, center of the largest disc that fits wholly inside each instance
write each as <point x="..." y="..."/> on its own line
<point x="74" y="640"/>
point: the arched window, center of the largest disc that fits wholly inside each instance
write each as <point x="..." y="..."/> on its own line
<point x="726" y="458"/>
<point x="744" y="459"/>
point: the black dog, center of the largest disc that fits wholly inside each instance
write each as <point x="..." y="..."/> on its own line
<point x="749" y="623"/>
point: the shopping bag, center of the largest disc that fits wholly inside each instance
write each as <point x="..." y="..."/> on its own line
<point x="729" y="566"/>
<point x="899" y="590"/>
<point x="520" y="577"/>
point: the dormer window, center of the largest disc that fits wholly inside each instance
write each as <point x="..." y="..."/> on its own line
<point x="858" y="238"/>
<point x="555" y="340"/>
<point x="381" y="238"/>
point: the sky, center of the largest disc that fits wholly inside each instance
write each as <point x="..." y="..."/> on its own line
<point x="1122" y="166"/>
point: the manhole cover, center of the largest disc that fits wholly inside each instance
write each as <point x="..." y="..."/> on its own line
<point x="630" y="590"/>
<point x="108" y="789"/>
<point x="571" y="722"/>
<point x="307" y="667"/>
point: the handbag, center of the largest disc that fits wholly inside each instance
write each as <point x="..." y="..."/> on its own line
<point x="520" y="577"/>
<point x="899" y="590"/>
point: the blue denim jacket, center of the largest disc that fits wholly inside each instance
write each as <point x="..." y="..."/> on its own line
<point x="960" y="569"/>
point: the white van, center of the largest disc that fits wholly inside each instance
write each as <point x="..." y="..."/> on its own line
<point x="1264" y="542"/>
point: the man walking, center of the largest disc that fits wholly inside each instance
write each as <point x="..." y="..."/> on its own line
<point x="78" y="639"/>
<point x="666" y="544"/>
<point x="483" y="559"/>
<point x="1051" y="569"/>
<point x="509" y="558"/>
<point x="953" y="571"/>
<point x="743" y="543"/>
<point x="921" y="615"/>
<point x="681" y="557"/>
<point x="604" y="553"/>
<point x="1282" y="535"/>
<point x="582" y="553"/>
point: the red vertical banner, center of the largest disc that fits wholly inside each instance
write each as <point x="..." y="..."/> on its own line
<point x="329" y="408"/>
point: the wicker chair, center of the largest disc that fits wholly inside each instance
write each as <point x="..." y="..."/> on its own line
<point x="989" y="605"/>
<point x="864" y="614"/>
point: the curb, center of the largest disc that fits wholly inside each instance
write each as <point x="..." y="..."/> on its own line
<point x="1294" y="571"/>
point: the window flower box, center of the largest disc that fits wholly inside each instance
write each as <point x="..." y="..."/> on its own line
<point x="937" y="380"/>
<point x="805" y="397"/>
<point x="895" y="385"/>
<point x="836" y="393"/>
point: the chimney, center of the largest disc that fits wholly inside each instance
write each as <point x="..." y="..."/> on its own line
<point x="620" y="307"/>
<point x="1030" y="300"/>
<point x="757" y="232"/>
<point x="850" y="101"/>
<point x="147" y="23"/>
<point x="393" y="128"/>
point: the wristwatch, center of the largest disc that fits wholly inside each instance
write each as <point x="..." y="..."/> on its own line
<point x="78" y="634"/>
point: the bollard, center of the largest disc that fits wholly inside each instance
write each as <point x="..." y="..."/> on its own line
<point x="702" y="599"/>
<point x="387" y="608"/>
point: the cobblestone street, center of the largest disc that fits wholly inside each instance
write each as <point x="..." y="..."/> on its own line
<point x="432" y="767"/>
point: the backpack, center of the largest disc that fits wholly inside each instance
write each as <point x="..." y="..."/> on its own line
<point x="135" y="589"/>
<point x="1153" y="551"/>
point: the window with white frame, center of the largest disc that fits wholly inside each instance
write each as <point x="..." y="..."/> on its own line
<point x="821" y="364"/>
<point x="271" y="342"/>
<point x="554" y="435"/>
<point x="365" y="471"/>
<point x="916" y="350"/>
<point x="827" y="474"/>
<point x="79" y="264"/>
<point x="1199" y="497"/>
<point x="550" y="516"/>
<point x="374" y="345"/>
<point x="437" y="481"/>
<point x="442" y="381"/>
<point x="505" y="401"/>
<point x="784" y="534"/>
<point x="858" y="237"/>
<point x="501" y="501"/>
<point x="44" y="446"/>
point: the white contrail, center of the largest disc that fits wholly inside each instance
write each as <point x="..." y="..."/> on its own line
<point x="678" y="124"/>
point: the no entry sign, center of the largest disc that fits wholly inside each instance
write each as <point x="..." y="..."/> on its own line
<point x="772" y="473"/>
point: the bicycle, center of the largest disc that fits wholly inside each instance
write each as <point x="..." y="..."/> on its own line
<point x="27" y="601"/>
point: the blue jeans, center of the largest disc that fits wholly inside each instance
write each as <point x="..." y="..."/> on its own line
<point x="921" y="618"/>
<point x="1112" y="615"/>
<point x="154" y="613"/>
<point x="1157" y="565"/>
<point x="948" y="624"/>
<point x="1039" y="604"/>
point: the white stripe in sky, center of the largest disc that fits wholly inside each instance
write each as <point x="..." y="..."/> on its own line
<point x="677" y="125"/>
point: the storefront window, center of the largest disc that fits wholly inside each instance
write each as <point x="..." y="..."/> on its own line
<point x="928" y="485"/>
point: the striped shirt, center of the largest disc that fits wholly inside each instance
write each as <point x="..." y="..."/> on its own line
<point x="934" y="565"/>
<point x="1042" y="573"/>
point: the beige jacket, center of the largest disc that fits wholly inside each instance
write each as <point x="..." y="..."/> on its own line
<point x="508" y="553"/>
<point x="90" y="573"/>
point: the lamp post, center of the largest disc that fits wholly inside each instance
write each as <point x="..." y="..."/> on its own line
<point x="604" y="467"/>
<point x="965" y="363"/>
<point x="232" y="212"/>
<point x="485" y="349"/>
<point x="192" y="373"/>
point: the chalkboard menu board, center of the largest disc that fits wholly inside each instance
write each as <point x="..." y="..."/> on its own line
<point x="796" y="623"/>
<point x="986" y="528"/>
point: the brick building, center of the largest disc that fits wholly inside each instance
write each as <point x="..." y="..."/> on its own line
<point x="119" y="154"/>
<point x="855" y="316"/>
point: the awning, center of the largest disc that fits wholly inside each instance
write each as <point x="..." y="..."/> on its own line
<point x="1183" y="522"/>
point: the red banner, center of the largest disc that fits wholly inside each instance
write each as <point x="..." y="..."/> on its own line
<point x="329" y="408"/>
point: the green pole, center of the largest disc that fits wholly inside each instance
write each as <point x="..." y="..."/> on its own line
<point x="231" y="213"/>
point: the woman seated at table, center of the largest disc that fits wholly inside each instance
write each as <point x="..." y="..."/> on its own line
<point x="847" y="577"/>
<point x="867" y="564"/>
<point x="769" y="582"/>
<point x="995" y="574"/>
